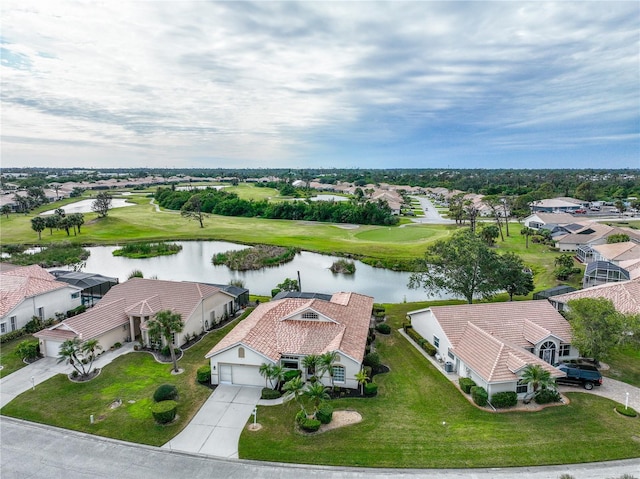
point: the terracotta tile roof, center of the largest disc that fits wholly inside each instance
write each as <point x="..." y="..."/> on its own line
<point x="18" y="283"/>
<point x="619" y="251"/>
<point x="137" y="297"/>
<point x="625" y="295"/>
<point x="278" y="327"/>
<point x="493" y="358"/>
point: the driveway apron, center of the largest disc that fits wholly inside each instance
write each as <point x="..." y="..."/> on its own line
<point x="215" y="430"/>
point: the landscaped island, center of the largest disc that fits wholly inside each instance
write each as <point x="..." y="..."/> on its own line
<point x="147" y="250"/>
<point x="257" y="257"/>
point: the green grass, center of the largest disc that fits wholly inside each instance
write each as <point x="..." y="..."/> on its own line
<point x="402" y="426"/>
<point x="132" y="378"/>
<point x="8" y="359"/>
<point x="624" y="365"/>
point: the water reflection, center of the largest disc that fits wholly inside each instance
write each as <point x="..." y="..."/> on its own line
<point x="193" y="263"/>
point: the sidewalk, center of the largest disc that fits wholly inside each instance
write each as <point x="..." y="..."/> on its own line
<point x="33" y="374"/>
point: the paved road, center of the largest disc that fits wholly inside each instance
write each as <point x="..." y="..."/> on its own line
<point x="37" y="451"/>
<point x="431" y="214"/>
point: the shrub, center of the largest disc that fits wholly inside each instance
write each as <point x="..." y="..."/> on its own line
<point x="372" y="359"/>
<point x="630" y="412"/>
<point x="75" y="311"/>
<point x="203" y="374"/>
<point x="166" y="352"/>
<point x="383" y="328"/>
<point x="325" y="413"/>
<point x="545" y="396"/>
<point x="466" y="384"/>
<point x="165" y="392"/>
<point x="370" y="389"/>
<point x="10" y="336"/>
<point x="300" y="416"/>
<point x="479" y="395"/>
<point x="275" y="291"/>
<point x="268" y="393"/>
<point x="291" y="374"/>
<point x="28" y="349"/>
<point x="164" y="411"/>
<point x="413" y="334"/>
<point x="310" y="425"/>
<point x="429" y="348"/>
<point x="368" y="370"/>
<point x="33" y="326"/>
<point x="504" y="399"/>
<point x="117" y="345"/>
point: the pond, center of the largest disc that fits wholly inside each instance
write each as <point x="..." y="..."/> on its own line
<point x="193" y="263"/>
<point x="84" y="206"/>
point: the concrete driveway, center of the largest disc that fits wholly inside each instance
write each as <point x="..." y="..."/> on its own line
<point x="215" y="430"/>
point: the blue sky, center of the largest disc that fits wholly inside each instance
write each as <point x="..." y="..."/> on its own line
<point x="320" y="84"/>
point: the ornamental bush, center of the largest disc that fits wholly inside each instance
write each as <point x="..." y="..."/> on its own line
<point x="165" y="392"/>
<point x="28" y="350"/>
<point x="504" y="399"/>
<point x="429" y="348"/>
<point x="383" y="328"/>
<point x="630" y="412"/>
<point x="372" y="359"/>
<point x="325" y="413"/>
<point x="466" y="384"/>
<point x="479" y="395"/>
<point x="291" y="374"/>
<point x="545" y="396"/>
<point x="203" y="374"/>
<point x="268" y="393"/>
<point x="370" y="389"/>
<point x="164" y="411"/>
<point x="310" y="425"/>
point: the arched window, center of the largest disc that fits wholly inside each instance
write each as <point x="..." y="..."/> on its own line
<point x="338" y="374"/>
<point x="241" y="352"/>
<point x="548" y="352"/>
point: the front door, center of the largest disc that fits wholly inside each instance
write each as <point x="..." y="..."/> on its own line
<point x="548" y="352"/>
<point x="225" y="374"/>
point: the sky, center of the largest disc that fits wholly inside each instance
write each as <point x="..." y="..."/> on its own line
<point x="317" y="84"/>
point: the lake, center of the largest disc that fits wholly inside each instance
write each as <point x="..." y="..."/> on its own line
<point x="193" y="263"/>
<point x="84" y="206"/>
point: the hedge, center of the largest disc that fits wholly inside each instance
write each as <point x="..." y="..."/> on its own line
<point x="203" y="374"/>
<point x="268" y="393"/>
<point x="372" y="359"/>
<point x="504" y="399"/>
<point x="479" y="395"/>
<point x="370" y="389"/>
<point x="466" y="384"/>
<point x="325" y="413"/>
<point x="165" y="392"/>
<point x="164" y="411"/>
<point x="545" y="396"/>
<point x="423" y="343"/>
<point x="383" y="328"/>
<point x="310" y="425"/>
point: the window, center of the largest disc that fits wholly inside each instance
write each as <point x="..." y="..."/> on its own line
<point x="41" y="313"/>
<point x="436" y="341"/>
<point x="309" y="315"/>
<point x="548" y="352"/>
<point x="289" y="362"/>
<point x="450" y="354"/>
<point x="14" y="323"/>
<point x="3" y="328"/>
<point x="522" y="387"/>
<point x="75" y="295"/>
<point x="565" y="350"/>
<point x="338" y="374"/>
<point x="241" y="352"/>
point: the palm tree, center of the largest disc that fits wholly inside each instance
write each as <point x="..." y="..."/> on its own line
<point x="294" y="389"/>
<point x="166" y="323"/>
<point x="326" y="363"/>
<point x="78" y="354"/>
<point x="38" y="225"/>
<point x="538" y="377"/>
<point x="311" y="363"/>
<point x="526" y="232"/>
<point x="266" y="371"/>
<point x="89" y="350"/>
<point x="277" y="373"/>
<point x="362" y="379"/>
<point x="317" y="393"/>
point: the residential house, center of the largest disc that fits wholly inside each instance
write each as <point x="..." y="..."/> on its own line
<point x="492" y="343"/>
<point x="625" y="296"/>
<point x="28" y="291"/>
<point x="538" y="220"/>
<point x="123" y="313"/>
<point x="290" y="327"/>
<point x="558" y="205"/>
<point x="607" y="263"/>
<point x="94" y="286"/>
<point x="591" y="234"/>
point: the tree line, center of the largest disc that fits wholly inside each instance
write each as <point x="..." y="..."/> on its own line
<point x="224" y="203"/>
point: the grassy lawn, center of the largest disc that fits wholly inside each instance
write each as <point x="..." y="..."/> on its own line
<point x="133" y="378"/>
<point x="402" y="426"/>
<point x="624" y="366"/>
<point x="8" y="359"/>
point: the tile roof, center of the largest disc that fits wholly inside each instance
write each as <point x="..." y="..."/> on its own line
<point x="136" y="297"/>
<point x="618" y="251"/>
<point x="278" y="327"/>
<point x="19" y="283"/>
<point x="624" y="295"/>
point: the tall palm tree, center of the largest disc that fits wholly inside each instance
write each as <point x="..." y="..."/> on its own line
<point x="294" y="389"/>
<point x="362" y="379"/>
<point x="266" y="371"/>
<point x="326" y="363"/>
<point x="89" y="351"/>
<point x="80" y="355"/>
<point x="317" y="394"/>
<point x="277" y="373"/>
<point x="538" y="377"/>
<point x="165" y="324"/>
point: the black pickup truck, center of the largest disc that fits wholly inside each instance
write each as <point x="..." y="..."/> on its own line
<point x="580" y="374"/>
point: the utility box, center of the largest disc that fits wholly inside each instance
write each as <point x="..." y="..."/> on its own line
<point x="448" y="367"/>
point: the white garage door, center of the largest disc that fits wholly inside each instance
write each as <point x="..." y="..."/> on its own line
<point x="240" y="374"/>
<point x="52" y="348"/>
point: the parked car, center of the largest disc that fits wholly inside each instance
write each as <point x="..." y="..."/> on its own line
<point x="580" y="212"/>
<point x="580" y="374"/>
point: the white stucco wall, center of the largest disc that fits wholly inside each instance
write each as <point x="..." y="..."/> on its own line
<point x="58" y="301"/>
<point x="427" y="326"/>
<point x="230" y="356"/>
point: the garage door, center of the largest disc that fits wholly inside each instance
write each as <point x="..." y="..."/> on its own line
<point x="241" y="375"/>
<point x="52" y="348"/>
